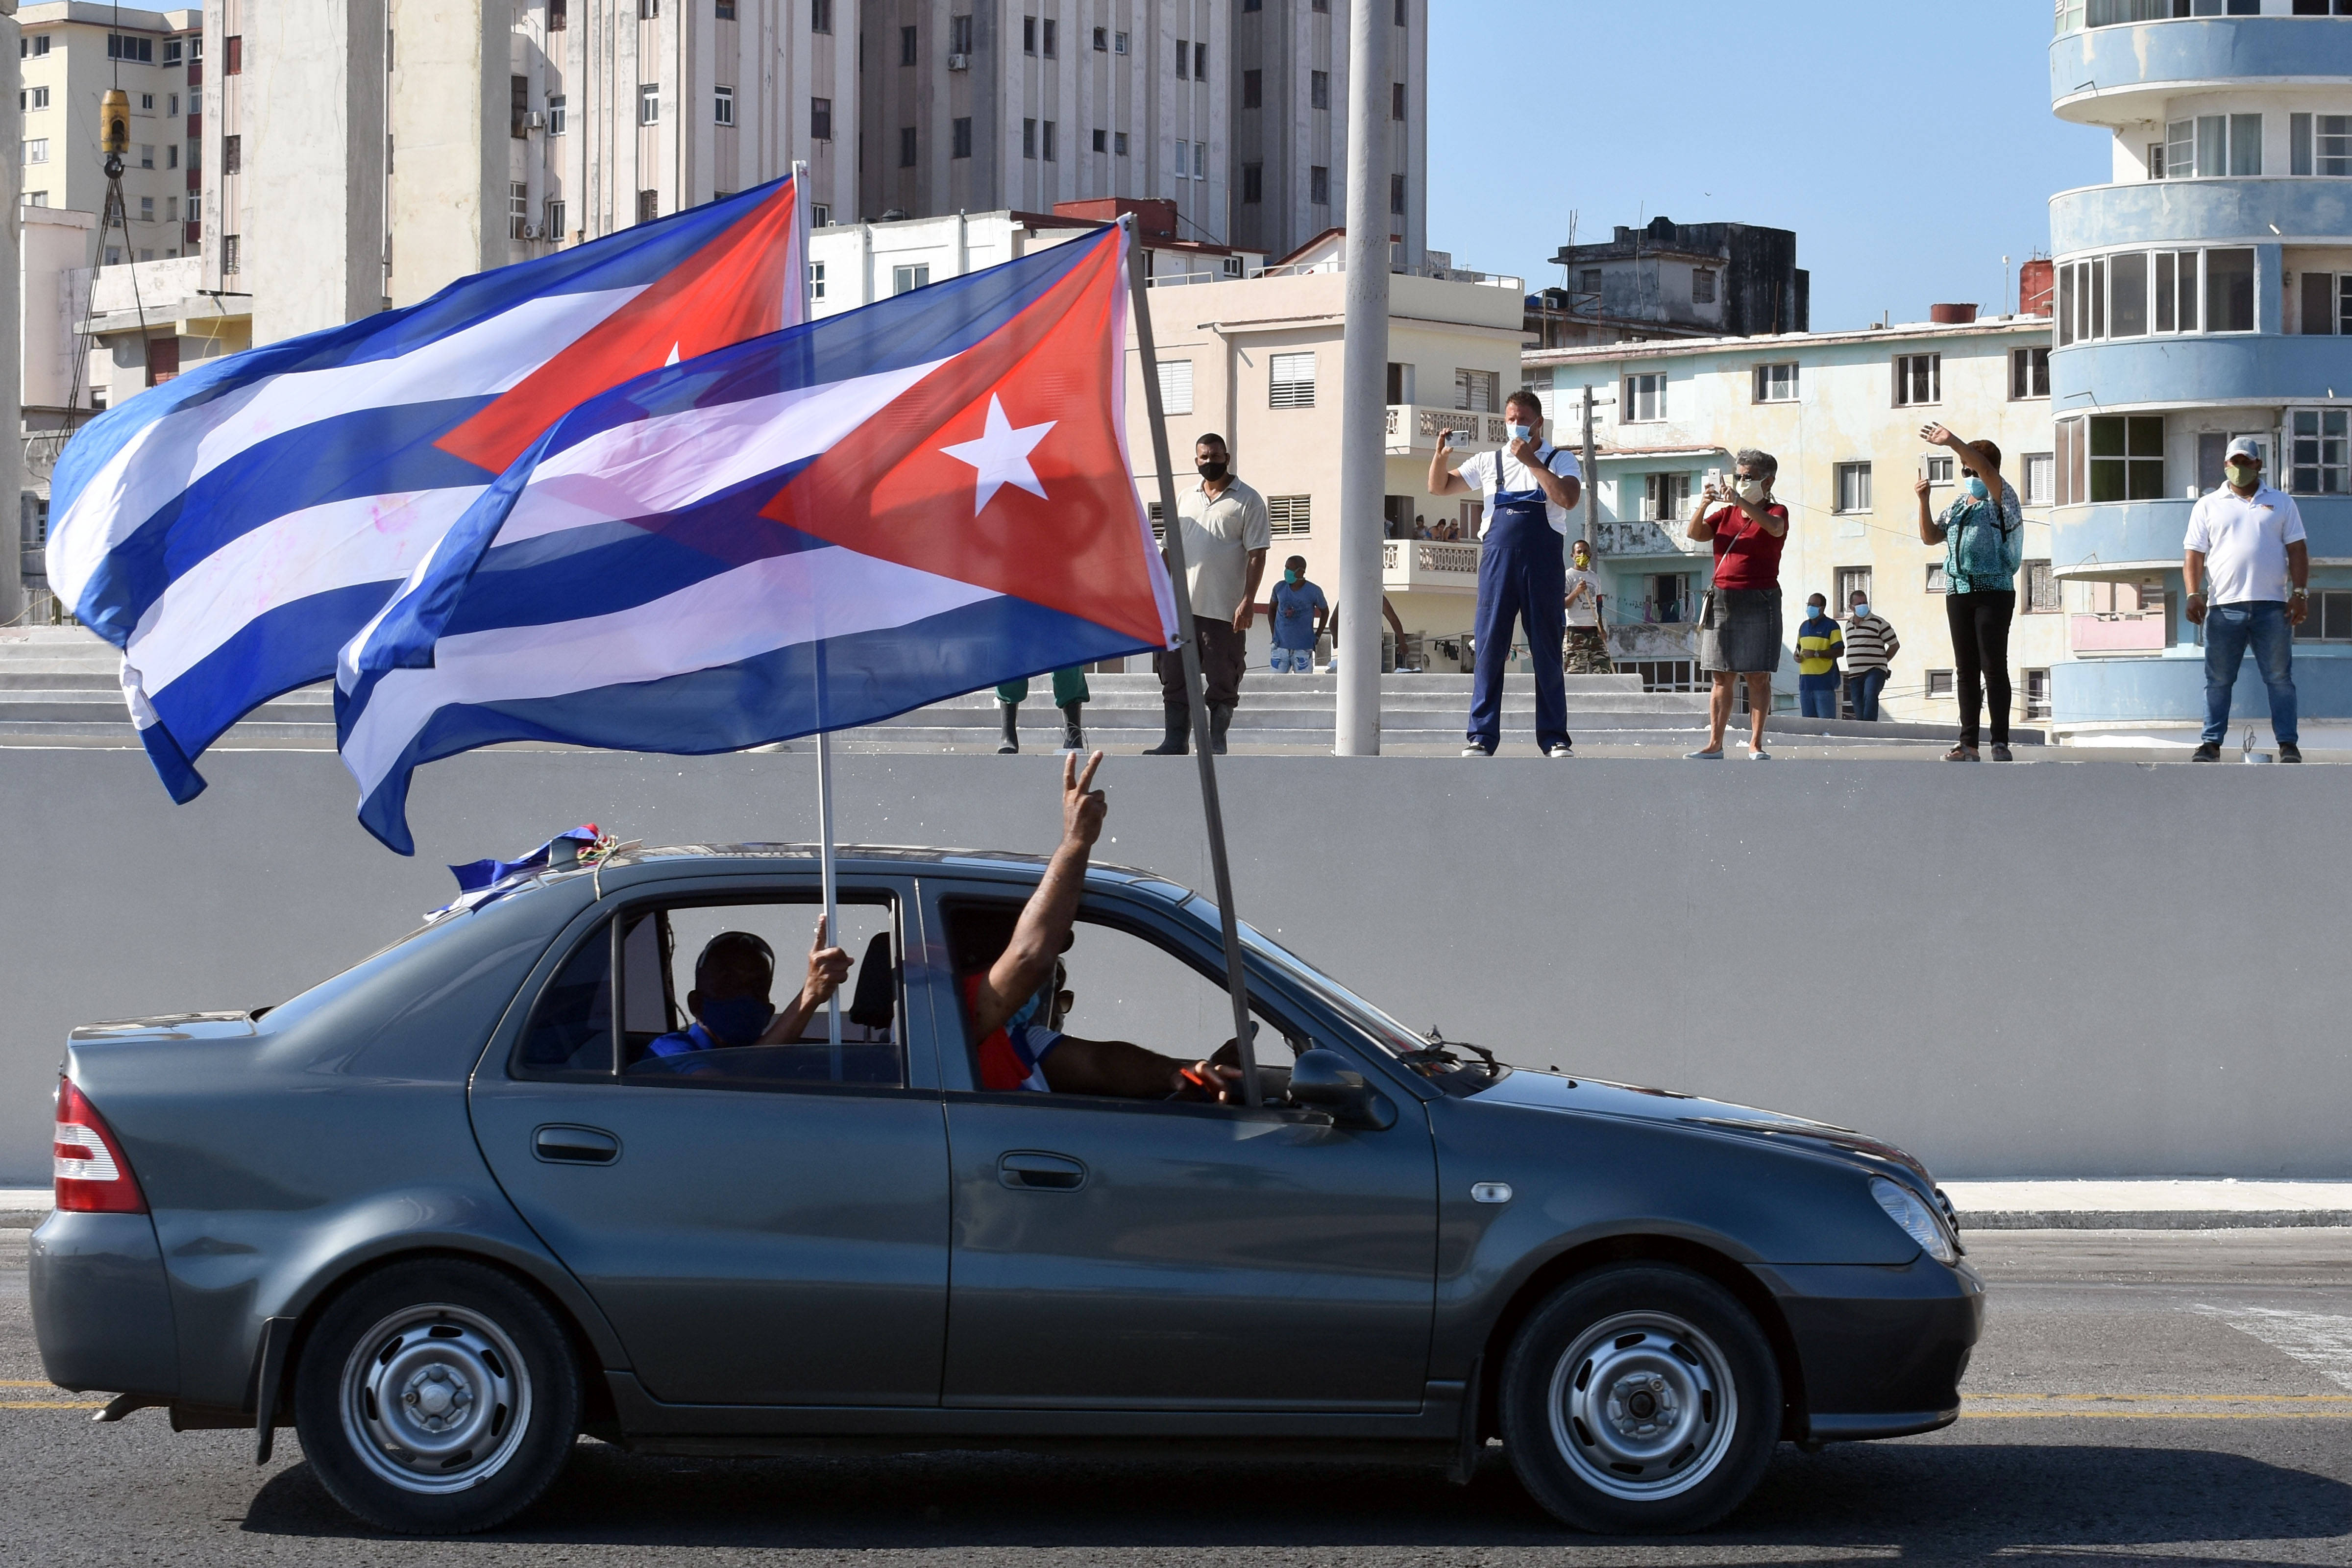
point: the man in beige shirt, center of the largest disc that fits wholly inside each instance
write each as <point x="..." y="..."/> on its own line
<point x="1226" y="537"/>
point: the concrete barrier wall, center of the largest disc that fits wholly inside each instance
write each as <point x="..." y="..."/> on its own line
<point x="2100" y="969"/>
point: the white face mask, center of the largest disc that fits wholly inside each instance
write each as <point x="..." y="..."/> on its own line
<point x="1751" y="490"/>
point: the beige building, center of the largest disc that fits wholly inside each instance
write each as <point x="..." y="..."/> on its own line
<point x="69" y="54"/>
<point x="1261" y="361"/>
<point x="1842" y="412"/>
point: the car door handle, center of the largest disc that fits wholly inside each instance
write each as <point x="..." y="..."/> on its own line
<point x="576" y="1146"/>
<point x="1030" y="1171"/>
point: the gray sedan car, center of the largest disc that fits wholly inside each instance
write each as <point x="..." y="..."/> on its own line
<point x="453" y="1208"/>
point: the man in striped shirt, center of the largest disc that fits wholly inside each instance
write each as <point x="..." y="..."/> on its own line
<point x="1869" y="647"/>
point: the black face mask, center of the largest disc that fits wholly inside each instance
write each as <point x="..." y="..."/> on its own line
<point x="1211" y="472"/>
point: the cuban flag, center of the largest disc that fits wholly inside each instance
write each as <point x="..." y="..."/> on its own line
<point x="811" y="531"/>
<point x="232" y="529"/>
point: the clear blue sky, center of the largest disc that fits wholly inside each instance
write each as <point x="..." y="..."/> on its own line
<point x="1864" y="125"/>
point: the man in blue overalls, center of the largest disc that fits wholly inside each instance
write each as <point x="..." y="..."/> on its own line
<point x="1522" y="574"/>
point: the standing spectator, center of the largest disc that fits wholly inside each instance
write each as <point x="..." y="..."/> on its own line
<point x="1300" y="611"/>
<point x="1739" y="617"/>
<point x="1588" y="635"/>
<point x="2246" y="540"/>
<point x="1420" y="527"/>
<point x="1226" y="536"/>
<point x="1070" y="695"/>
<point x="1984" y="544"/>
<point x="1522" y="573"/>
<point x="1870" y="648"/>
<point x="1818" y="643"/>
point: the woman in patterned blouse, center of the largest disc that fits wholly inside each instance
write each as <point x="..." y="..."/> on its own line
<point x="1983" y="536"/>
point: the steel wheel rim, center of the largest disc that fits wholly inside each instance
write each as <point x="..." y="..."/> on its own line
<point x="435" y="1398"/>
<point x="1643" y="1407"/>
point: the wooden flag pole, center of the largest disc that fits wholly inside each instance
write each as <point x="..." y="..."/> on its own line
<point x="1220" y="875"/>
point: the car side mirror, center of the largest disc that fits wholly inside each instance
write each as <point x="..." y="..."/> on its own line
<point x="1323" y="1080"/>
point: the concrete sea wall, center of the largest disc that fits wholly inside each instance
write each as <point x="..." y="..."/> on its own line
<point x="2096" y="968"/>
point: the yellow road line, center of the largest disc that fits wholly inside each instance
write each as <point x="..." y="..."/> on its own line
<point x="53" y="1404"/>
<point x="25" y="1382"/>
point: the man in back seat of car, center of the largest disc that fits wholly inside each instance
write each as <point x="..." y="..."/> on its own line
<point x="730" y="1000"/>
<point x="1011" y="1001"/>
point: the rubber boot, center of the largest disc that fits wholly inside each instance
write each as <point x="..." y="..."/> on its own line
<point x="1073" y="735"/>
<point x="1012" y="742"/>
<point x="1179" y="738"/>
<point x="1221" y="716"/>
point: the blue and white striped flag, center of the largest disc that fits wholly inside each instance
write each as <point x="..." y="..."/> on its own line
<point x="230" y="529"/>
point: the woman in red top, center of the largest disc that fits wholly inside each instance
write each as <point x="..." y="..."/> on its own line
<point x="1739" y="627"/>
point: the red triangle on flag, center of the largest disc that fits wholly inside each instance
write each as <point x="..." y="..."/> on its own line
<point x="731" y="289"/>
<point x="892" y="490"/>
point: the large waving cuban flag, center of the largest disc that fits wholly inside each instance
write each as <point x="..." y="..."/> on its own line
<point x="232" y="529"/>
<point x="818" y="529"/>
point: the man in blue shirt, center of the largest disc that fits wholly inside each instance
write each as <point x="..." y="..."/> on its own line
<point x="1299" y="609"/>
<point x="730" y="1000"/>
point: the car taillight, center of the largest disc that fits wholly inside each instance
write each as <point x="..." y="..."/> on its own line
<point x="92" y="1176"/>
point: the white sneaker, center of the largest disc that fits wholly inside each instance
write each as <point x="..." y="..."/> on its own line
<point x="1563" y="752"/>
<point x="1476" y="751"/>
<point x="1756" y="754"/>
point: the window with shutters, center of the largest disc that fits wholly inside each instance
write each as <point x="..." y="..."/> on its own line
<point x="1478" y="391"/>
<point x="1665" y="497"/>
<point x="1702" y="286"/>
<point x="1289" y="516"/>
<point x="2040" y="487"/>
<point x="2041" y="595"/>
<point x="1175" y="386"/>
<point x="1939" y="681"/>
<point x="1292" y="382"/>
<point x="648" y="205"/>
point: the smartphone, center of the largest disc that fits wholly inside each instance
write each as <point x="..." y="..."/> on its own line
<point x="1715" y="480"/>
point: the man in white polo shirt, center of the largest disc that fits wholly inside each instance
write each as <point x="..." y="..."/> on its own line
<point x="1226" y="536"/>
<point x="2244" y="544"/>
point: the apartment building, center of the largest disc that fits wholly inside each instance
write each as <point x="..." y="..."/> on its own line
<point x="1669" y="279"/>
<point x="70" y="52"/>
<point x="1289" y="86"/>
<point x="1842" y="412"/>
<point x="975" y="105"/>
<point x="2203" y="293"/>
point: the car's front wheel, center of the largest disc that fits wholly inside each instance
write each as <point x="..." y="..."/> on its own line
<point x="437" y="1397"/>
<point x="1641" y="1398"/>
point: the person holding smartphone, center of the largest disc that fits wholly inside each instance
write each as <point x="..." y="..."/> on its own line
<point x="1983" y="536"/>
<point x="1531" y="488"/>
<point x="1739" y="618"/>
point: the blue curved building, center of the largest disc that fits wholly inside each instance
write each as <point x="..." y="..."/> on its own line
<point x="2204" y="293"/>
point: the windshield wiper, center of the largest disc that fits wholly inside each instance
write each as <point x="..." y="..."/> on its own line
<point x="1441" y="1053"/>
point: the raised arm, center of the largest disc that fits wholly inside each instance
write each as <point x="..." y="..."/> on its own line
<point x="1045" y="919"/>
<point x="1443" y="480"/>
<point x="828" y="966"/>
<point x="1700" y="528"/>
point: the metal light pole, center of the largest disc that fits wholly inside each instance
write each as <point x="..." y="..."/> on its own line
<point x="1363" y="390"/>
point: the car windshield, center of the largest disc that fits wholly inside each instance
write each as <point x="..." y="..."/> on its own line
<point x="1441" y="1064"/>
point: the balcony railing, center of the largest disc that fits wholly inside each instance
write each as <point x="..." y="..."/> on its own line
<point x="1664" y="537"/>
<point x="1422" y="566"/>
<point x="1413" y="429"/>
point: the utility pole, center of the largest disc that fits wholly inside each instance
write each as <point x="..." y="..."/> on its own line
<point x="1363" y="395"/>
<point x="1591" y="496"/>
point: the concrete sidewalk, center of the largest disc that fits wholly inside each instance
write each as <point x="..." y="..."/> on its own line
<point x="2225" y="1205"/>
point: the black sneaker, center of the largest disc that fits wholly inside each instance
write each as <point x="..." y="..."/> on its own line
<point x="2289" y="752"/>
<point x="2211" y="752"/>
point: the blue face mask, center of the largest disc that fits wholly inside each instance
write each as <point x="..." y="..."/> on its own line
<point x="1860" y="611"/>
<point x="1815" y="612"/>
<point x="736" y="1020"/>
<point x="1976" y="487"/>
<point x="1290" y="577"/>
<point x="1521" y="432"/>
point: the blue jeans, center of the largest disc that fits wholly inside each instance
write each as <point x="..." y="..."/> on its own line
<point x="1862" y="689"/>
<point x="2229" y="629"/>
<point x="1298" y="660"/>
<point x="1817" y="696"/>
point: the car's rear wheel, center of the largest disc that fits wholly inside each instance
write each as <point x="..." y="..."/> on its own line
<point x="1640" y="1399"/>
<point x="437" y="1397"/>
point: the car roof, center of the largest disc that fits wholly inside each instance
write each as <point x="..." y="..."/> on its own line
<point x="889" y="857"/>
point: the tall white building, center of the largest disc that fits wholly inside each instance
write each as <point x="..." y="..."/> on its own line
<point x="974" y="105"/>
<point x="68" y="53"/>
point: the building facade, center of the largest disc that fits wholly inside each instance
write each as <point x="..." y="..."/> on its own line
<point x="975" y="105"/>
<point x="68" y="53"/>
<point x="1842" y="413"/>
<point x="1669" y="279"/>
<point x="2205" y="292"/>
<point x="1289" y="92"/>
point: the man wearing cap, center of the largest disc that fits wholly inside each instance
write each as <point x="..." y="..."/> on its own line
<point x="2244" y="545"/>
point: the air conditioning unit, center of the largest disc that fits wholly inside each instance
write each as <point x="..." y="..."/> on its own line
<point x="530" y="231"/>
<point x="534" y="121"/>
<point x="959" y="62"/>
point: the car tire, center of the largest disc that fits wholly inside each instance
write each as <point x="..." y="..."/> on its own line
<point x="437" y="1397"/>
<point x="1641" y="1398"/>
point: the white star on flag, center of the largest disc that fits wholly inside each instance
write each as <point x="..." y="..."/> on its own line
<point x="1001" y="456"/>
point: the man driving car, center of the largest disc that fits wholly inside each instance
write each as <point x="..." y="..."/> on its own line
<point x="732" y="978"/>
<point x="1015" y="998"/>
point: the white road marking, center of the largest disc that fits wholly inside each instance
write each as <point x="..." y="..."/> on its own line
<point x="2320" y="1340"/>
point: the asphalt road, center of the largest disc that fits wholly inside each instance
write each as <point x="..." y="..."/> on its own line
<point x="2141" y="1396"/>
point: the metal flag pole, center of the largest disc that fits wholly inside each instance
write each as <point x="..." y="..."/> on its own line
<point x="1363" y="383"/>
<point x="824" y="858"/>
<point x="1221" y="874"/>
